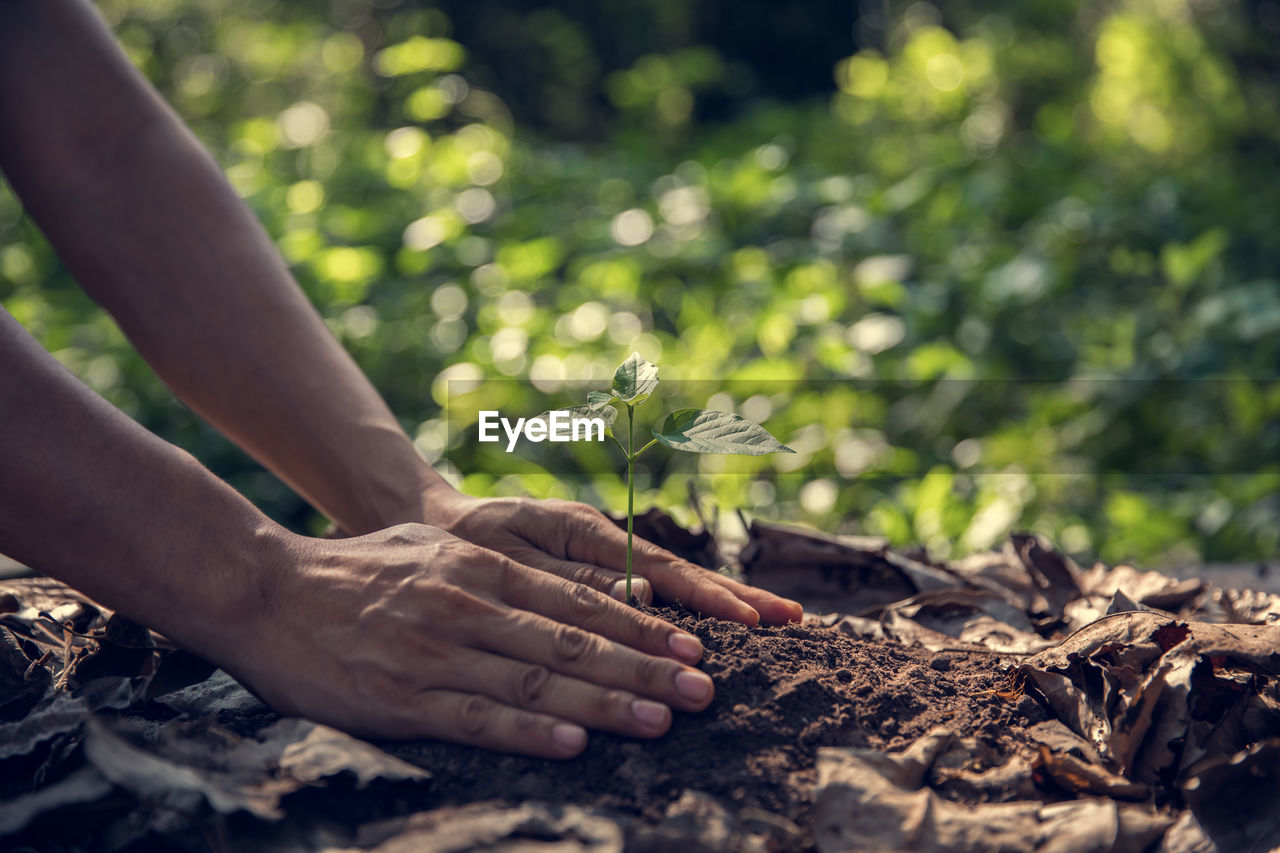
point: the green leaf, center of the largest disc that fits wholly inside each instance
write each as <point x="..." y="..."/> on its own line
<point x="599" y="405"/>
<point x="635" y="380"/>
<point x="701" y="431"/>
<point x="608" y="413"/>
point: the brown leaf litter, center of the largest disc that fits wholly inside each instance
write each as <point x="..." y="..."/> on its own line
<point x="1005" y="701"/>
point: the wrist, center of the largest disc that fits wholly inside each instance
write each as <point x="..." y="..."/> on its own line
<point x="387" y="491"/>
<point x="442" y="504"/>
<point x="221" y="606"/>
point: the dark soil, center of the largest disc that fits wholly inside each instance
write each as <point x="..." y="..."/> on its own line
<point x="742" y="775"/>
<point x="781" y="693"/>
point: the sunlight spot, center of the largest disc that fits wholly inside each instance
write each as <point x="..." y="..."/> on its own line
<point x="303" y="124"/>
<point x="632" y="227"/>
<point x="945" y="71"/>
<point x="818" y="496"/>
<point x="589" y="321"/>
<point x="424" y="233"/>
<point x="449" y="301"/>
<point x="475" y="205"/>
<point x="405" y="142"/>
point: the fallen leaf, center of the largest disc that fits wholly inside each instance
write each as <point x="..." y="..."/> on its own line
<point x="216" y="694"/>
<point x="195" y="763"/>
<point x="163" y="783"/>
<point x="971" y="617"/>
<point x="844" y="573"/>
<point x="492" y="826"/>
<point x="1236" y="797"/>
<point x="83" y="786"/>
<point x="858" y="806"/>
<point x="314" y="752"/>
<point x="1080" y="777"/>
<point x="1059" y="738"/>
<point x="61" y="712"/>
<point x="654" y="525"/>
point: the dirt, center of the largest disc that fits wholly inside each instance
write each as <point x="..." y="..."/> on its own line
<point x="781" y="693"/>
<point x="1007" y="701"/>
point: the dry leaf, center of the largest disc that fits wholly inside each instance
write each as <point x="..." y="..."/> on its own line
<point x="858" y="806"/>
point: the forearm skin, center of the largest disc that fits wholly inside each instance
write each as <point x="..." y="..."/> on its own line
<point x="151" y="229"/>
<point x="93" y="499"/>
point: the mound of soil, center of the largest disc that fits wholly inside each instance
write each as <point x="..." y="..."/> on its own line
<point x="781" y="693"/>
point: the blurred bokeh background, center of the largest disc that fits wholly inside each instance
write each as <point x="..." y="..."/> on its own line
<point x="989" y="266"/>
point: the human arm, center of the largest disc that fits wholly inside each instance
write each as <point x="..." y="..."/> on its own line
<point x="407" y="632"/>
<point x="149" y="226"/>
<point x="151" y="229"/>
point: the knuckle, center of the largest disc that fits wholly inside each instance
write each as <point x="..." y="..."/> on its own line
<point x="457" y="601"/>
<point x="503" y="576"/>
<point x="404" y="535"/>
<point x="587" y="575"/>
<point x="475" y="715"/>
<point x="455" y="553"/>
<point x="648" y="549"/>
<point x="530" y="684"/>
<point x="650" y="670"/>
<point x="644" y="631"/>
<point x="586" y="510"/>
<point x="571" y="644"/>
<point x="576" y="511"/>
<point x="523" y="510"/>
<point x="377" y="685"/>
<point x="610" y="703"/>
<point x="583" y="603"/>
<point x="524" y="724"/>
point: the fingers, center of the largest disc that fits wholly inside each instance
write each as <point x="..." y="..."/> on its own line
<point x="709" y="592"/>
<point x="533" y="687"/>
<point x="533" y="684"/>
<point x="600" y="541"/>
<point x="512" y="706"/>
<point x="611" y="583"/>
<point x="568" y="650"/>
<point x="577" y="542"/>
<point x="773" y="609"/>
<point x="476" y="719"/>
<point x="592" y="611"/>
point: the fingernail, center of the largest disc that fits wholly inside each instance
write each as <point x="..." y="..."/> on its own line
<point x="572" y="738"/>
<point x="650" y="713"/>
<point x="685" y="646"/>
<point x="638" y="589"/>
<point x="694" y="686"/>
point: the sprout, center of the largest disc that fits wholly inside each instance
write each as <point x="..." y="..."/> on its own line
<point x="689" y="430"/>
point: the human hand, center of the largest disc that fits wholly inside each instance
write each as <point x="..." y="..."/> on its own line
<point x="411" y="632"/>
<point x="578" y="542"/>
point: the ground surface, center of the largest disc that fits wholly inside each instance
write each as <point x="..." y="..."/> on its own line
<point x="1010" y="701"/>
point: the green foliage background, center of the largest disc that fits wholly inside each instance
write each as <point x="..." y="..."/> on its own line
<point x="815" y="196"/>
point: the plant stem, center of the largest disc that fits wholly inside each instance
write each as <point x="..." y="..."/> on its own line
<point x="631" y="490"/>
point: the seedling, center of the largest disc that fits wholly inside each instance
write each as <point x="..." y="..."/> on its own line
<point x="688" y="430"/>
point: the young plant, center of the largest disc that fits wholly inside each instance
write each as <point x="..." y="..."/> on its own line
<point x="689" y="430"/>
